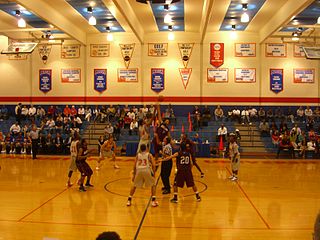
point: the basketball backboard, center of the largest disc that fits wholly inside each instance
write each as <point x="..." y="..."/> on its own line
<point x="20" y="48"/>
<point x="312" y="52"/>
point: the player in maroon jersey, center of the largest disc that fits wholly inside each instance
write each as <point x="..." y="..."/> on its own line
<point x="184" y="162"/>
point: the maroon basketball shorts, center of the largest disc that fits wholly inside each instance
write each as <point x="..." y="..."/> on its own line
<point x="84" y="168"/>
<point x="184" y="176"/>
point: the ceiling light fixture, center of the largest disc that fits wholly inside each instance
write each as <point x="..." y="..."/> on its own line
<point x="167" y="18"/>
<point x="245" y="17"/>
<point x="109" y="34"/>
<point x="171" y="34"/>
<point x="21" y="22"/>
<point x="233" y="27"/>
<point x="92" y="19"/>
<point x="318" y="21"/>
<point x="296" y="36"/>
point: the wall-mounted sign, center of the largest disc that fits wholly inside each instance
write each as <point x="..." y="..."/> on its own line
<point x="17" y="56"/>
<point x="99" y="50"/>
<point x="245" y="49"/>
<point x="301" y="75"/>
<point x="100" y="79"/>
<point x="128" y="75"/>
<point x="157" y="79"/>
<point x="185" y="52"/>
<point x="216" y="54"/>
<point x="217" y="75"/>
<point x="276" y="80"/>
<point x="70" y="51"/>
<point x="185" y="74"/>
<point x="44" y="52"/>
<point x="45" y="80"/>
<point x="71" y="75"/>
<point x="276" y="50"/>
<point x="298" y="51"/>
<point x="158" y="49"/>
<point x="245" y="75"/>
<point x="126" y="52"/>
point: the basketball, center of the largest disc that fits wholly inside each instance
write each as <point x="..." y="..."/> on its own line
<point x="160" y="98"/>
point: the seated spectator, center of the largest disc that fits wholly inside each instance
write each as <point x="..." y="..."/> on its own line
<point x="15" y="129"/>
<point x="311" y="145"/>
<point x="293" y="139"/>
<point x="88" y="114"/>
<point x="58" y="143"/>
<point x="19" y="144"/>
<point x="302" y="144"/>
<point x="275" y="137"/>
<point x="253" y="114"/>
<point x="245" y="116"/>
<point x="152" y="110"/>
<point x="111" y="112"/>
<point x="222" y="133"/>
<point x="50" y="144"/>
<point x="169" y="114"/>
<point x="67" y="143"/>
<point x="278" y="114"/>
<point x="108" y="131"/>
<point x="40" y="113"/>
<point x="73" y="111"/>
<point x="218" y="113"/>
<point x="78" y="121"/>
<point x="66" y="111"/>
<point x="127" y="121"/>
<point x="59" y="123"/>
<point x="4" y="113"/>
<point x="24" y="112"/>
<point x="262" y="114"/>
<point x="206" y="115"/>
<point x="196" y="139"/>
<point x="264" y="128"/>
<point x="269" y="115"/>
<point x="58" y="110"/>
<point x="126" y="109"/>
<point x="308" y="112"/>
<point x="145" y="110"/>
<point x="135" y="110"/>
<point x="236" y="115"/>
<point x="96" y="113"/>
<point x="43" y="143"/>
<point x="51" y="113"/>
<point x="316" y="114"/>
<point x="141" y="115"/>
<point x="1" y="142"/>
<point x="300" y="114"/>
<point x="290" y="115"/>
<point x="309" y="123"/>
<point x="296" y="129"/>
<point x="312" y="136"/>
<point x="32" y="111"/>
<point x="229" y="115"/>
<point x="134" y="127"/>
<point x="285" y="144"/>
<point x="50" y="125"/>
<point x="81" y="113"/>
<point x="131" y="115"/>
<point x="9" y="143"/>
<point x="283" y="127"/>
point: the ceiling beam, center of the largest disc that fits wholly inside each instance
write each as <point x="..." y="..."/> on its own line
<point x="206" y="16"/>
<point x="41" y="9"/>
<point x="26" y="29"/>
<point x="282" y="17"/>
<point x="126" y="17"/>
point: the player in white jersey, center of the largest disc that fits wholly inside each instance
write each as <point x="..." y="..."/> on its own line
<point x="143" y="174"/>
<point x="234" y="156"/>
<point x="74" y="146"/>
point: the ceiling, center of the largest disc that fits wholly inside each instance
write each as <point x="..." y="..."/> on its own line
<point x="68" y="19"/>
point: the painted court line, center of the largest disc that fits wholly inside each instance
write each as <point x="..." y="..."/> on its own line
<point x="247" y="197"/>
<point x="20" y="220"/>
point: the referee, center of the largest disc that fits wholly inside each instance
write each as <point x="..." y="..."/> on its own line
<point x="34" y="135"/>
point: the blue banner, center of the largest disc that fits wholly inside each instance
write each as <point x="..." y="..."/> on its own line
<point x="45" y="80"/>
<point x="276" y="80"/>
<point x="157" y="79"/>
<point x="100" y="80"/>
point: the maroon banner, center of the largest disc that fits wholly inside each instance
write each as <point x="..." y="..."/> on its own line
<point x="216" y="54"/>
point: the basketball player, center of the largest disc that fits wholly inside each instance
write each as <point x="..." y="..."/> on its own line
<point x="106" y="150"/>
<point x="83" y="166"/>
<point x="143" y="174"/>
<point x="74" y="146"/>
<point x="234" y="156"/>
<point x="184" y="162"/>
<point x="144" y="133"/>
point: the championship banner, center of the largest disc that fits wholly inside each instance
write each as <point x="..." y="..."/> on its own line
<point x="100" y="80"/>
<point x="44" y="51"/>
<point x="216" y="54"/>
<point x="245" y="49"/>
<point x="303" y="75"/>
<point x="219" y="75"/>
<point x="276" y="80"/>
<point x="185" y="74"/>
<point x="276" y="50"/>
<point x="245" y="75"/>
<point x="127" y="51"/>
<point x="45" y="80"/>
<point x="157" y="79"/>
<point x="72" y="75"/>
<point x="99" y="50"/>
<point x="69" y="51"/>
<point x="158" y="49"/>
<point x="298" y="51"/>
<point x="185" y="52"/>
<point x="128" y="75"/>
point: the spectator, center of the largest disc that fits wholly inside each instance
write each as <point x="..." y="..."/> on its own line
<point x="284" y="143"/>
<point x="283" y="127"/>
<point x="169" y="113"/>
<point x="41" y="113"/>
<point x="32" y="112"/>
<point x="1" y="142"/>
<point x="245" y="116"/>
<point x="145" y="110"/>
<point x="78" y="121"/>
<point x="308" y="112"/>
<point x="290" y="115"/>
<point x="66" y="111"/>
<point x="88" y="114"/>
<point x="51" y="113"/>
<point x="58" y="142"/>
<point x="134" y="127"/>
<point x="73" y="111"/>
<point x="24" y="112"/>
<point x="262" y="114"/>
<point x="300" y="114"/>
<point x="17" y="112"/>
<point x="293" y="139"/>
<point x="309" y="123"/>
<point x="275" y="137"/>
<point x="15" y="129"/>
<point x="50" y="125"/>
<point x="206" y="115"/>
<point x="111" y="112"/>
<point x="96" y="113"/>
<point x="131" y="115"/>
<point x="108" y="131"/>
<point x="270" y="116"/>
<point x="302" y="143"/>
<point x="264" y="128"/>
<point x="140" y="115"/>
<point x="4" y="113"/>
<point x="253" y="114"/>
<point x="9" y="143"/>
<point x="312" y="135"/>
<point x="196" y="118"/>
<point x="152" y="110"/>
<point x="222" y="133"/>
<point x="316" y="114"/>
<point x="81" y="113"/>
<point x="59" y="124"/>
<point x="236" y="115"/>
<point x="218" y="113"/>
<point x="296" y="129"/>
<point x="49" y="144"/>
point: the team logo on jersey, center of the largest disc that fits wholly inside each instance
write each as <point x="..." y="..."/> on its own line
<point x="127" y="51"/>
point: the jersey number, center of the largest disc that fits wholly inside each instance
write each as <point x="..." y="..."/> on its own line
<point x="184" y="160"/>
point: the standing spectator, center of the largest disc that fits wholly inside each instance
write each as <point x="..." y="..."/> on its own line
<point x="34" y="136"/>
<point x="17" y="112"/>
<point x="222" y="132"/>
<point x="196" y="118"/>
<point x="218" y="113"/>
<point x="300" y="114"/>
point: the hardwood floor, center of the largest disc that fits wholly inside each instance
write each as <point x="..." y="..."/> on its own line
<point x="273" y="200"/>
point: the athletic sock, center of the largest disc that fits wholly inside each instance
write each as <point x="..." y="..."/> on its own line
<point x="129" y="198"/>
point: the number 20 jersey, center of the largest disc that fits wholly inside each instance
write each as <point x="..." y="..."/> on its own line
<point x="184" y="161"/>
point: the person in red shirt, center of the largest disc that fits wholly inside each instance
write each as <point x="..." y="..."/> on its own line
<point x="66" y="111"/>
<point x="73" y="111"/>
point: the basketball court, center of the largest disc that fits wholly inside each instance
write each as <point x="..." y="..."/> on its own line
<point x="273" y="199"/>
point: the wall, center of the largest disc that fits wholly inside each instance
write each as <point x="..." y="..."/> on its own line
<point x="20" y="79"/>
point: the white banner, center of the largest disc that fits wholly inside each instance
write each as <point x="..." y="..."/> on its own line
<point x="245" y="49"/>
<point x="158" y="49"/>
<point x="303" y="75"/>
<point x="298" y="51"/>
<point x="185" y="52"/>
<point x="127" y="74"/>
<point x="185" y="74"/>
<point x="276" y="50"/>
<point x="217" y="75"/>
<point x="72" y="75"/>
<point x="245" y="75"/>
<point x="99" y="50"/>
<point x="70" y="51"/>
<point x="127" y="51"/>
